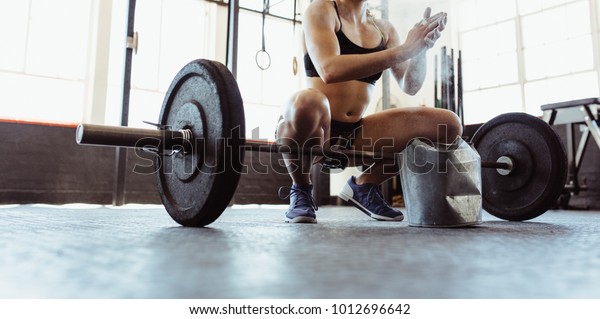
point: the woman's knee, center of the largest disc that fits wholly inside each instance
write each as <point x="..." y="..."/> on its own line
<point x="307" y="109"/>
<point x="452" y="124"/>
<point x="310" y="102"/>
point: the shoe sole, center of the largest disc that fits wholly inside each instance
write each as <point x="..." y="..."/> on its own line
<point x="347" y="195"/>
<point x="301" y="220"/>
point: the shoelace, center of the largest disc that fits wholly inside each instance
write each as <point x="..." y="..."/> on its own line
<point x="300" y="200"/>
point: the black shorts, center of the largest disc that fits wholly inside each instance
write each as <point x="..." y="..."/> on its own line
<point x="343" y="134"/>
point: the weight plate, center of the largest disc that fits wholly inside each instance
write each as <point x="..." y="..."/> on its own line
<point x="196" y="187"/>
<point x="540" y="166"/>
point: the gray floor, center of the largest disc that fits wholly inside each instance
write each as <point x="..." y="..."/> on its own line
<point x="103" y="252"/>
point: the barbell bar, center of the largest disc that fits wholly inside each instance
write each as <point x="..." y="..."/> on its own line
<point x="168" y="141"/>
<point x="202" y="126"/>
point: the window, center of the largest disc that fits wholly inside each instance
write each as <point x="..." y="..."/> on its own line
<point x="526" y="54"/>
<point x="490" y="53"/>
<point x="265" y="91"/>
<point x="171" y="34"/>
<point x="44" y="58"/>
<point x="558" y="53"/>
<point x="50" y="65"/>
<point x="490" y="59"/>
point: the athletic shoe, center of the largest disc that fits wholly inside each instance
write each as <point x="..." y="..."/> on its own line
<point x="302" y="205"/>
<point x="370" y="201"/>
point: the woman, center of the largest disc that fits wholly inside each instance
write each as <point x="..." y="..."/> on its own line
<point x="346" y="52"/>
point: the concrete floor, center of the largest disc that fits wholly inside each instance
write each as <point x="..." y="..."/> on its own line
<point x="139" y="252"/>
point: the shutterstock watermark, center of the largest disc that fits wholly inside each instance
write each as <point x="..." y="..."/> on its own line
<point x="215" y="156"/>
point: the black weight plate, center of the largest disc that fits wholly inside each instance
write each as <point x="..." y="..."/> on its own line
<point x="540" y="166"/>
<point x="197" y="186"/>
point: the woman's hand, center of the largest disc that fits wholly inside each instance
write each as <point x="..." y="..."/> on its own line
<point x="425" y="33"/>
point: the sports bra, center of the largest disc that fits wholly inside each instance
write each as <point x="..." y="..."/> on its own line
<point x="347" y="47"/>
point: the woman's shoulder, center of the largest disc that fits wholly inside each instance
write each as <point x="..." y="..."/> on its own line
<point x="321" y="11"/>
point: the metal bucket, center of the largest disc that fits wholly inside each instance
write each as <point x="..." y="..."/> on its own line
<point x="441" y="184"/>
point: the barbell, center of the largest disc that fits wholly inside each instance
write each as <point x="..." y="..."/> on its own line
<point x="200" y="144"/>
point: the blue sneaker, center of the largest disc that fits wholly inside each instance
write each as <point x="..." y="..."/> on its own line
<point x="370" y="201"/>
<point x="302" y="205"/>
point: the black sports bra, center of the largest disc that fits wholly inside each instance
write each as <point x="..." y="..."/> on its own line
<point x="346" y="47"/>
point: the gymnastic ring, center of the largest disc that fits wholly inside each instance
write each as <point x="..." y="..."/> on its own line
<point x="263" y="54"/>
<point x="295" y="65"/>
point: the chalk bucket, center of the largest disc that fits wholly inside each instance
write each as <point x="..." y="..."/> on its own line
<point x="441" y="184"/>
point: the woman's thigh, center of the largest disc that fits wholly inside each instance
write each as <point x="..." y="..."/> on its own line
<point x="392" y="130"/>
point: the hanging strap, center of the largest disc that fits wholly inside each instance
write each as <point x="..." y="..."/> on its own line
<point x="262" y="58"/>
